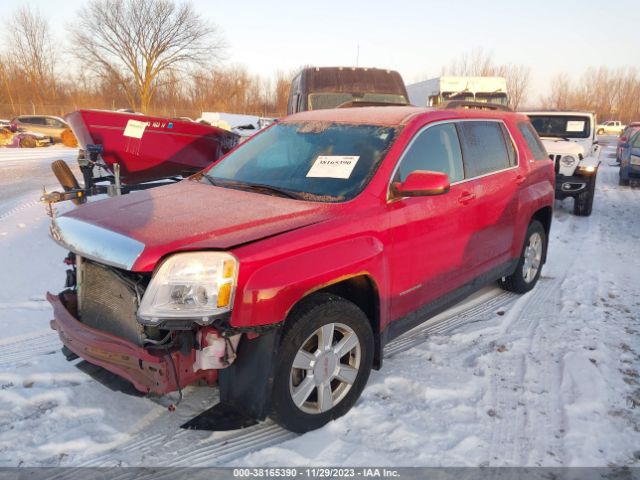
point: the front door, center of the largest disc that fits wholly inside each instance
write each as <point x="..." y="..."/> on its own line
<point x="429" y="233"/>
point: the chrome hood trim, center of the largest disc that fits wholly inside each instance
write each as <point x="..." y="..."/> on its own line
<point x="96" y="243"/>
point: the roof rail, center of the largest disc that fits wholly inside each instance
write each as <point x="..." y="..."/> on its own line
<point x="453" y="104"/>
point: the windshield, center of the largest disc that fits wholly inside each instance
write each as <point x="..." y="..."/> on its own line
<point x="316" y="161"/>
<point x="493" y="97"/>
<point x="561" y="126"/>
<point x="319" y="101"/>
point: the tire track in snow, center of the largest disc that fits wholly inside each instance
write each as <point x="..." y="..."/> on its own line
<point x="509" y="400"/>
<point x="26" y="348"/>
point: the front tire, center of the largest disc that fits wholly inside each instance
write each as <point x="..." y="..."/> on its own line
<point x="527" y="272"/>
<point x="323" y="363"/>
<point x="583" y="204"/>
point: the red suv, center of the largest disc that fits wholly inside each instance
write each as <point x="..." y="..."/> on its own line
<point x="283" y="270"/>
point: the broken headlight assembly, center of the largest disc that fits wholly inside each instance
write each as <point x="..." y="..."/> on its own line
<point x="195" y="286"/>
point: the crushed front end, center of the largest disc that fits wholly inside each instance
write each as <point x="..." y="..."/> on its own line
<point x="97" y="318"/>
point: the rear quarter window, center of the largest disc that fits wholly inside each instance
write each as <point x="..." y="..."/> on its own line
<point x="484" y="148"/>
<point x="533" y="141"/>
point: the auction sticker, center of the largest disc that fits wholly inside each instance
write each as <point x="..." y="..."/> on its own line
<point x="333" y="166"/>
<point x="135" y="129"/>
<point x="575" y="125"/>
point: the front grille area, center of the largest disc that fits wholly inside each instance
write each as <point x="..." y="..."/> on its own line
<point x="108" y="302"/>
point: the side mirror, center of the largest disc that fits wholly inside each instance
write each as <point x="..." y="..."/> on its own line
<point x="422" y="183"/>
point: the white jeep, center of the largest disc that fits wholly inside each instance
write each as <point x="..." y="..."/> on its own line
<point x="570" y="140"/>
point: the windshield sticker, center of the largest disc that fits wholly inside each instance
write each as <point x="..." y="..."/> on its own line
<point x="135" y="129"/>
<point x="333" y="166"/>
<point x="575" y="125"/>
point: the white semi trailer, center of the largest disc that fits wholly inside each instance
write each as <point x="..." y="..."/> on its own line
<point x="430" y="93"/>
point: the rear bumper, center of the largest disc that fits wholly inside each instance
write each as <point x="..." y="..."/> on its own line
<point x="148" y="372"/>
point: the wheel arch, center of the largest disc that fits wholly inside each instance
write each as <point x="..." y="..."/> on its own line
<point x="544" y="216"/>
<point x="361" y="290"/>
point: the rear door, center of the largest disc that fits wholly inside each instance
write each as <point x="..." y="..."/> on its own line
<point x="492" y="182"/>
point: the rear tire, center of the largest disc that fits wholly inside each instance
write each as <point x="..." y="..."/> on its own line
<point x="583" y="204"/>
<point x="623" y="182"/>
<point x="527" y="272"/>
<point x="323" y="363"/>
<point x="66" y="177"/>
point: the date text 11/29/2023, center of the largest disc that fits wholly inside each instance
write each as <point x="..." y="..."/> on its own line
<point x="317" y="472"/>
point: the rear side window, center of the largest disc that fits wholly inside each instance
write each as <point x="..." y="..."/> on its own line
<point x="484" y="148"/>
<point x="436" y="149"/>
<point x="533" y="141"/>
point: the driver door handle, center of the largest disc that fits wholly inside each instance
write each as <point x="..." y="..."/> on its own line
<point x="466" y="197"/>
<point x="520" y="179"/>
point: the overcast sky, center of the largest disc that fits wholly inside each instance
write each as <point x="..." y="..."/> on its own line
<point x="417" y="38"/>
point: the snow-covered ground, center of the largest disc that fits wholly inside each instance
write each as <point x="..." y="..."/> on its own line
<point x="549" y="378"/>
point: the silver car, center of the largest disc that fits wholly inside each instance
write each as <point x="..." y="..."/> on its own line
<point x="44" y="124"/>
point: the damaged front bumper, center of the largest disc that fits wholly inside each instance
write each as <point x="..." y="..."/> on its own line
<point x="160" y="373"/>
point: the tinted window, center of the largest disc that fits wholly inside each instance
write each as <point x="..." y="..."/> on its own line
<point x="484" y="148"/>
<point x="635" y="141"/>
<point x="436" y="149"/>
<point x="533" y="141"/>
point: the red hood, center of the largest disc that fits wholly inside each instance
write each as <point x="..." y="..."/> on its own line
<point x="186" y="216"/>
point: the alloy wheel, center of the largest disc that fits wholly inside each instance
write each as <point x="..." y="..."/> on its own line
<point x="532" y="257"/>
<point x="325" y="368"/>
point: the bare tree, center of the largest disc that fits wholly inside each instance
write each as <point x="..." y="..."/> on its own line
<point x="476" y="63"/>
<point x="139" y="42"/>
<point x="31" y="53"/>
<point x="517" y="77"/>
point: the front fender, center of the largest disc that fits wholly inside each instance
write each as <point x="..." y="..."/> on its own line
<point x="266" y="293"/>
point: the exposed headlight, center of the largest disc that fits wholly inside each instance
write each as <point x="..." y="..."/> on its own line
<point x="568" y="161"/>
<point x="192" y="285"/>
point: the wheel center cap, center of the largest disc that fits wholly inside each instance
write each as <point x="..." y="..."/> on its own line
<point x="325" y="367"/>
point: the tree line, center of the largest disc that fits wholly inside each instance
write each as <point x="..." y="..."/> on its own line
<point x="614" y="94"/>
<point x="150" y="56"/>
